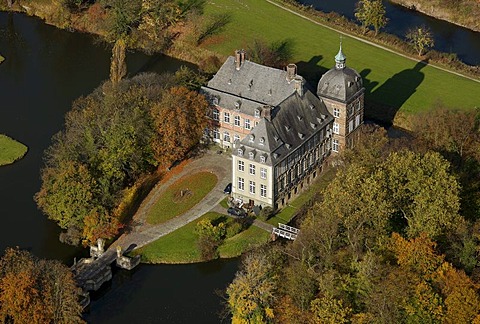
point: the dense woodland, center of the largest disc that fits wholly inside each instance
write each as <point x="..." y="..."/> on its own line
<point x="113" y="138"/>
<point x="394" y="238"/>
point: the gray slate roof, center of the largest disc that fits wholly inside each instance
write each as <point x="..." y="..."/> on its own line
<point x="340" y="84"/>
<point x="252" y="81"/>
<point x="295" y="120"/>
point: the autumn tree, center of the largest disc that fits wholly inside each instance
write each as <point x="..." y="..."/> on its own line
<point x="118" y="66"/>
<point x="421" y="39"/>
<point x="210" y="236"/>
<point x="371" y="13"/>
<point x="179" y="120"/>
<point x="251" y="294"/>
<point x="36" y="291"/>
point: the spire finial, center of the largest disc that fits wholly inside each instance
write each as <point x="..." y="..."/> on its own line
<point x="340" y="57"/>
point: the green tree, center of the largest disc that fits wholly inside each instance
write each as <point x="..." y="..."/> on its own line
<point x="423" y="192"/>
<point x="124" y="16"/>
<point x="67" y="194"/>
<point x="358" y="198"/>
<point x="421" y="38"/>
<point x="371" y="13"/>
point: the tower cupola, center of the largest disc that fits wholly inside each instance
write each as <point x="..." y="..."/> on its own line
<point x="340" y="59"/>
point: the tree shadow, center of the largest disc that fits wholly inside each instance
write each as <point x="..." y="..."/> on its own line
<point x="311" y="71"/>
<point x="383" y="104"/>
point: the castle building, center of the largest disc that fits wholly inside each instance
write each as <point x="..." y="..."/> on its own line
<point x="280" y="133"/>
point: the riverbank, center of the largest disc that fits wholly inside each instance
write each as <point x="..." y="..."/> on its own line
<point x="463" y="13"/>
<point x="314" y="38"/>
<point x="10" y="150"/>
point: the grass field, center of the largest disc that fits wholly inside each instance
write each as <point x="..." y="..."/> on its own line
<point x="243" y="242"/>
<point x="180" y="246"/>
<point x="389" y="79"/>
<point x="2" y="59"/>
<point x="10" y="150"/>
<point x="181" y="196"/>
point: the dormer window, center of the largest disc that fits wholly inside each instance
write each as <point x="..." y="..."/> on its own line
<point x="251" y="155"/>
<point x="262" y="140"/>
<point x="312" y="106"/>
<point x="251" y="138"/>
<point x="262" y="158"/>
<point x="287" y="127"/>
<point x="349" y="83"/>
<point x="276" y="138"/>
<point x="313" y="125"/>
<point x="288" y="145"/>
<point x="257" y="113"/>
<point x="240" y="152"/>
<point x="275" y="155"/>
<point x="301" y="135"/>
<point x="237" y="105"/>
<point x="215" y="101"/>
<point x="300" y="118"/>
<point x="229" y="81"/>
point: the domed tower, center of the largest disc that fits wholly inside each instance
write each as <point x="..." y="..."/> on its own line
<point x="342" y="91"/>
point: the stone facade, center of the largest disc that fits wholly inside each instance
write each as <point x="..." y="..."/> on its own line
<point x="280" y="133"/>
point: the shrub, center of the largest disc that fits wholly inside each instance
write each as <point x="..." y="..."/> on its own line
<point x="233" y="229"/>
<point x="266" y="213"/>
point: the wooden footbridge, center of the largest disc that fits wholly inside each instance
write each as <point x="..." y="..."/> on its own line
<point x="285" y="231"/>
<point x="91" y="273"/>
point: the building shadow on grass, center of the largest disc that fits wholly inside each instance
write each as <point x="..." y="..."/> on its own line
<point x="311" y="71"/>
<point x="383" y="103"/>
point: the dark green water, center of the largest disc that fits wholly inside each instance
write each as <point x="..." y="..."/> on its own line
<point x="44" y="71"/>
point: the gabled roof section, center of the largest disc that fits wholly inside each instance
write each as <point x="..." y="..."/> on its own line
<point x="300" y="117"/>
<point x="295" y="120"/>
<point x="252" y="81"/>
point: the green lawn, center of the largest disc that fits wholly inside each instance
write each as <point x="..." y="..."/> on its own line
<point x="244" y="241"/>
<point x="180" y="246"/>
<point x="171" y="203"/>
<point x="10" y="150"/>
<point x="389" y="79"/>
<point x="286" y="214"/>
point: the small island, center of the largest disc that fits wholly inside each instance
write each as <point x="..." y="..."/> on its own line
<point x="2" y="59"/>
<point x="10" y="150"/>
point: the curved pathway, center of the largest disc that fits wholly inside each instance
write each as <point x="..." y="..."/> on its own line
<point x="143" y="233"/>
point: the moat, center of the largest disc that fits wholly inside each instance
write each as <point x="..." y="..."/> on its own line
<point x="45" y="70"/>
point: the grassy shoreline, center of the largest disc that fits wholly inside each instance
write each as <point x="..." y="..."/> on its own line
<point x="10" y="150"/>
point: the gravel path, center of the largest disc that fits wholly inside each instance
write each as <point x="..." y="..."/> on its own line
<point x="143" y="233"/>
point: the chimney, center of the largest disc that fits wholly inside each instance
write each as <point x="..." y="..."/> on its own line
<point x="243" y="55"/>
<point x="291" y="72"/>
<point x="239" y="58"/>
<point x="299" y="85"/>
<point x="267" y="113"/>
